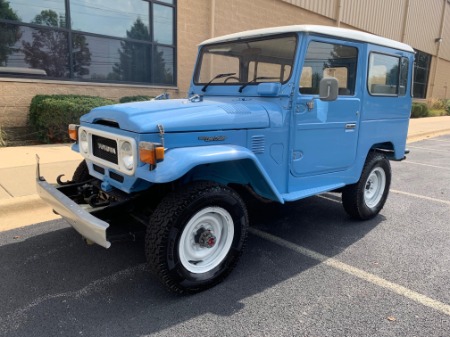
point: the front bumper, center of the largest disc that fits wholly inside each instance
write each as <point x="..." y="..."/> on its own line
<point x="84" y="223"/>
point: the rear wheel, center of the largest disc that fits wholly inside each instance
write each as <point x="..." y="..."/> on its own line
<point x="196" y="236"/>
<point x="366" y="198"/>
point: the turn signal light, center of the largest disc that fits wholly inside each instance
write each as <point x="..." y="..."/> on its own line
<point x="159" y="153"/>
<point x="151" y="153"/>
<point x="73" y="132"/>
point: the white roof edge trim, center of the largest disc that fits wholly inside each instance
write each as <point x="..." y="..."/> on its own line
<point x="348" y="34"/>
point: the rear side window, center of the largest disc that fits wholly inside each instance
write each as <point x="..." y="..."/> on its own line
<point x="404" y="66"/>
<point x="388" y="75"/>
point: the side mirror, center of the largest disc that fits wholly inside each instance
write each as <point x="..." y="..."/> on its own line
<point x="328" y="89"/>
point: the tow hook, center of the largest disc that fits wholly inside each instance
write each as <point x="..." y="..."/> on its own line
<point x="62" y="183"/>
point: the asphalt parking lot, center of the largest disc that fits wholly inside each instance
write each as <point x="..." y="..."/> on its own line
<point x="308" y="270"/>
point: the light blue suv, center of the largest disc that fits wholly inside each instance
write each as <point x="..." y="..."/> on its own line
<point x="284" y="113"/>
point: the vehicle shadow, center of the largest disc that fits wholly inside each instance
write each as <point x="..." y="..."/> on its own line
<point x="52" y="283"/>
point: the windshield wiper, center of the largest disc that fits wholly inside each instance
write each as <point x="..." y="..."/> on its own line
<point x="242" y="87"/>
<point x="215" y="78"/>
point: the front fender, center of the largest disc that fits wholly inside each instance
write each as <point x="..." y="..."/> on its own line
<point x="178" y="162"/>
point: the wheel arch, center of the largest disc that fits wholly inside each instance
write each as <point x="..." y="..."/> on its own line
<point x="224" y="164"/>
<point x="389" y="150"/>
<point x="241" y="172"/>
<point x="385" y="148"/>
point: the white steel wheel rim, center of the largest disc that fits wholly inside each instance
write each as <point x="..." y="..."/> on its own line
<point x="193" y="256"/>
<point x="374" y="188"/>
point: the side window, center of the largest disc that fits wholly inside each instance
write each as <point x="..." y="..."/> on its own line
<point x="388" y="75"/>
<point x="329" y="60"/>
<point x="404" y="66"/>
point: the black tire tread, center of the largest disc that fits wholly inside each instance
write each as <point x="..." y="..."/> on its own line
<point x="81" y="173"/>
<point x="351" y="193"/>
<point x="170" y="207"/>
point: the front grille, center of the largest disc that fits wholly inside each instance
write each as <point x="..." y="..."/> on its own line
<point x="104" y="148"/>
<point x="98" y="169"/>
<point x="116" y="177"/>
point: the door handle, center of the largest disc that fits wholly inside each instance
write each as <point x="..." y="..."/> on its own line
<point x="350" y="126"/>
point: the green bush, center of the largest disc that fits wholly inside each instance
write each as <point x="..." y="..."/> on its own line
<point x="127" y="99"/>
<point x="436" y="103"/>
<point x="2" y="137"/>
<point x="51" y="114"/>
<point x="447" y="107"/>
<point x="419" y="110"/>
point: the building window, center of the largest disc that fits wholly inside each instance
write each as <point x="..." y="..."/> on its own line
<point x="421" y="73"/>
<point x="82" y="40"/>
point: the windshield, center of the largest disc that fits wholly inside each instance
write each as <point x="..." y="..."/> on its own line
<point x="260" y="60"/>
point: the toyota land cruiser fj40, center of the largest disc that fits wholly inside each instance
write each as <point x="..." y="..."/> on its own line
<point x="286" y="112"/>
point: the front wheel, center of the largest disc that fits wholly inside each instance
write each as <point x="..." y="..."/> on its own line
<point x="366" y="198"/>
<point x="81" y="173"/>
<point x="196" y="235"/>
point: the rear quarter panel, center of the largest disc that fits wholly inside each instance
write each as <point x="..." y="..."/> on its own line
<point x="385" y="119"/>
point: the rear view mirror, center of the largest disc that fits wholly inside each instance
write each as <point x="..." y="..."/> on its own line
<point x="328" y="89"/>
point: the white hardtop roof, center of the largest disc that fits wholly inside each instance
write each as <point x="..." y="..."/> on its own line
<point x="348" y="34"/>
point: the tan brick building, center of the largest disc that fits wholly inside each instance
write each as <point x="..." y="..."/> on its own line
<point x="106" y="61"/>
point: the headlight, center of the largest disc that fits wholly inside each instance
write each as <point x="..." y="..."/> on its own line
<point x="84" y="144"/>
<point x="127" y="155"/>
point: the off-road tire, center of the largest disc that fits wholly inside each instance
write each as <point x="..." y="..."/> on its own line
<point x="81" y="173"/>
<point x="359" y="201"/>
<point x="174" y="216"/>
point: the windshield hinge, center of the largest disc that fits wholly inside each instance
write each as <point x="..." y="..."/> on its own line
<point x="195" y="98"/>
<point x="161" y="133"/>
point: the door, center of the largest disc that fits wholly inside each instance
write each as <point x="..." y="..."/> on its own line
<point x="326" y="133"/>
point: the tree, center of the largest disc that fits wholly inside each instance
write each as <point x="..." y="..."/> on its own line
<point x="81" y="55"/>
<point x="49" y="49"/>
<point x="134" y="64"/>
<point x="161" y="73"/>
<point x="392" y="76"/>
<point x="9" y="34"/>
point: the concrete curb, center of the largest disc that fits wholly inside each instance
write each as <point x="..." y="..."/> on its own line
<point x="426" y="135"/>
<point x="22" y="211"/>
<point x="7" y="205"/>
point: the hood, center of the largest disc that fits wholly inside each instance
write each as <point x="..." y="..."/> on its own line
<point x="181" y="115"/>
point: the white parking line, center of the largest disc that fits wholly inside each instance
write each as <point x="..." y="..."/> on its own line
<point x="421" y="197"/>
<point x="437" y="140"/>
<point x="361" y="274"/>
<point x="427" y="149"/>
<point x="428" y="165"/>
<point x="446" y="202"/>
